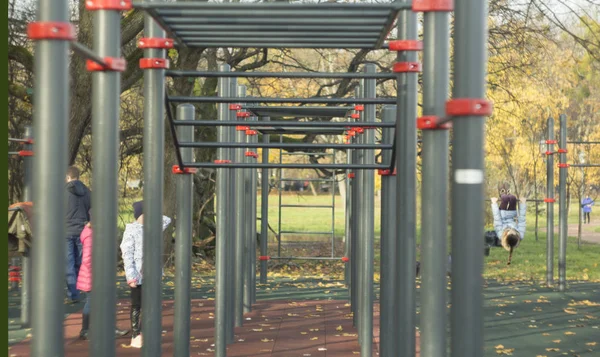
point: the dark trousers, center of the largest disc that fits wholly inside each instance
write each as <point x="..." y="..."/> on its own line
<point x="136" y="307"/>
<point x="586" y="215"/>
<point x="73" y="262"/>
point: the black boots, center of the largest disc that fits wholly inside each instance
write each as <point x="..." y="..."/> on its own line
<point x="136" y="327"/>
<point x="85" y="325"/>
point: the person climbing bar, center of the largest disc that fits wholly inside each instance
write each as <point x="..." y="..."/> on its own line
<point x="509" y="226"/>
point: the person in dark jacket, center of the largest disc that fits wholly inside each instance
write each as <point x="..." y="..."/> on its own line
<point x="78" y="206"/>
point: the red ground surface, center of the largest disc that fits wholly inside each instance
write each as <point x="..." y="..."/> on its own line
<point x="273" y="328"/>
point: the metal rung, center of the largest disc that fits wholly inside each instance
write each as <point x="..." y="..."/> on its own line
<point x="306" y="258"/>
<point x="308" y="153"/>
<point x="303" y="232"/>
<point x="310" y="180"/>
<point x="307" y="206"/>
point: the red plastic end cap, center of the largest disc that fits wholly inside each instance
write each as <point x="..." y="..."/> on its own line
<point x="548" y="153"/>
<point x="355" y="116"/>
<point x="28" y="141"/>
<point x="235" y="107"/>
<point x="112" y="64"/>
<point x="551" y="142"/>
<point x="345" y="259"/>
<point x="242" y="128"/>
<point x="25" y="153"/>
<point x="468" y="107"/>
<point x="119" y="5"/>
<point x="430" y="122"/>
<point x="386" y="172"/>
<point x="359" y="130"/>
<point x="432" y="5"/>
<point x="351" y="175"/>
<point x="264" y="257"/>
<point x="186" y="170"/>
<point x="407" y="67"/>
<point x="154" y="63"/>
<point x="242" y="114"/>
<point x="222" y="161"/>
<point x="51" y="31"/>
<point x="562" y="151"/>
<point x="563" y="166"/>
<point x="359" y="108"/>
<point x="351" y="132"/>
<point x="155" y="42"/>
<point x="549" y="200"/>
<point x="406" y="45"/>
<point x="251" y="132"/>
<point x="251" y="154"/>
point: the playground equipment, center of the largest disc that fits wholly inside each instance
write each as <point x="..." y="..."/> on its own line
<point x="562" y="200"/>
<point x="273" y="25"/>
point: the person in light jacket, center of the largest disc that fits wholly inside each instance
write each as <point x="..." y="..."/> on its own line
<point x="132" y="250"/>
<point x="509" y="225"/>
<point x="586" y="206"/>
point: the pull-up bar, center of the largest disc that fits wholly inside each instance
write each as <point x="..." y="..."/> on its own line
<point x="583" y="142"/>
<point x="284" y="145"/>
<point x="331" y="75"/>
<point x="227" y="165"/>
<point x="183" y="99"/>
<point x="584" y="165"/>
<point x="285" y="124"/>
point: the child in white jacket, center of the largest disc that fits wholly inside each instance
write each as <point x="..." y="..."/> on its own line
<point x="132" y="249"/>
<point x="508" y="224"/>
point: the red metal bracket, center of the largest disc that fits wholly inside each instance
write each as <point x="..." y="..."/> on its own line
<point x="386" y="172"/>
<point x="563" y="166"/>
<point x="549" y="200"/>
<point x="25" y="153"/>
<point x="407" y="67"/>
<point x="468" y="107"/>
<point x="359" y="130"/>
<point x="355" y="116"/>
<point x="359" y="107"/>
<point x="264" y="257"/>
<point x="235" y="107"/>
<point x="430" y="122"/>
<point x="406" y="45"/>
<point x="242" y="128"/>
<point x="242" y="114"/>
<point x="550" y="142"/>
<point x="251" y="132"/>
<point x="432" y="5"/>
<point x="186" y="170"/>
<point x="48" y="30"/>
<point x="351" y="132"/>
<point x="548" y="153"/>
<point x="155" y="42"/>
<point x="154" y="63"/>
<point x="119" y="5"/>
<point x="345" y="259"/>
<point x="112" y="64"/>
<point x="222" y="161"/>
<point x="351" y="175"/>
<point x="562" y="151"/>
<point x="27" y="142"/>
<point x="251" y="154"/>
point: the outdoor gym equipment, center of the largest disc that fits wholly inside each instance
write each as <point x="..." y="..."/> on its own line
<point x="271" y="25"/>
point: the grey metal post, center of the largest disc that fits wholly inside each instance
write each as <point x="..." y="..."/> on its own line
<point x="231" y="226"/>
<point x="221" y="315"/>
<point x="470" y="62"/>
<point x="106" y="89"/>
<point x="51" y="116"/>
<point x="239" y="207"/>
<point x="434" y="192"/>
<point x="26" y="258"/>
<point x="357" y="209"/>
<point x="183" y="240"/>
<point x="406" y="154"/>
<point x="264" y="210"/>
<point x="248" y="239"/>
<point x="154" y="141"/>
<point x="550" y="205"/>
<point x="563" y="224"/>
<point x="389" y="292"/>
<point x="348" y="221"/>
<point x="253" y="230"/>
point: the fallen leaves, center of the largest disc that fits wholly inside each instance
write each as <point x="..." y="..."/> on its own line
<point x="590" y="344"/>
<point x="553" y="349"/>
<point x="569" y="333"/>
<point x="570" y="310"/>
<point x="501" y="350"/>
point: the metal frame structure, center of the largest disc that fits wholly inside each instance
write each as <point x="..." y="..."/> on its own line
<point x="271" y="25"/>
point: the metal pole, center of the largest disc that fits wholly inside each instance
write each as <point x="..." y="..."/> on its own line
<point x="434" y="193"/>
<point x="231" y="226"/>
<point x="154" y="141"/>
<point x="356" y="211"/>
<point x="550" y="206"/>
<point x="25" y="258"/>
<point x="348" y="222"/>
<point x="470" y="62"/>
<point x="106" y="89"/>
<point x="264" y="209"/>
<point x="563" y="225"/>
<point x="406" y="154"/>
<point x="183" y="242"/>
<point x="221" y="263"/>
<point x="239" y="207"/>
<point x="253" y="235"/>
<point x="51" y="116"/>
<point x="389" y="293"/>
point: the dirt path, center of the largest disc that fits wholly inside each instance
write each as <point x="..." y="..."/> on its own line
<point x="588" y="231"/>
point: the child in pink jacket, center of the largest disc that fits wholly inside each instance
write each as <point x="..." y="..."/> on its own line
<point x="84" y="280"/>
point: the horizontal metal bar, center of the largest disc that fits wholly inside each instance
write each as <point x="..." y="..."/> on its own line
<point x="15" y="209"/>
<point x="285" y="166"/>
<point x="334" y="7"/>
<point x="266" y="13"/>
<point x="254" y="27"/>
<point x="303" y="232"/>
<point x="584" y="165"/>
<point x="310" y="180"/>
<point x="331" y="75"/>
<point x="183" y="99"/>
<point x="295" y="40"/>
<point x="369" y="46"/>
<point x="306" y="206"/>
<point x="305" y="258"/>
<point x="293" y="153"/>
<point x="272" y="21"/>
<point x="13" y="153"/>
<point x="583" y="142"/>
<point x="14" y="140"/>
<point x="286" y="124"/>
<point x="273" y="35"/>
<point x="189" y="144"/>
<point x="87" y="53"/>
